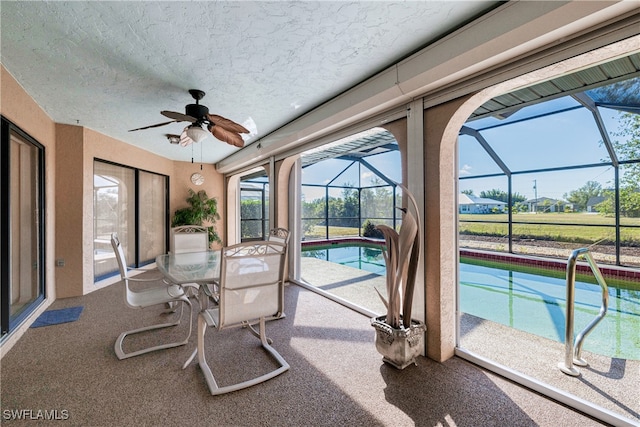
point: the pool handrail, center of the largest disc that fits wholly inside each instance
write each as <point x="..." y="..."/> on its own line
<point x="573" y="349"/>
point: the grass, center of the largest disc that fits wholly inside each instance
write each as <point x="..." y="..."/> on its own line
<point x="319" y="232"/>
<point x="579" y="228"/>
<point x="558" y="218"/>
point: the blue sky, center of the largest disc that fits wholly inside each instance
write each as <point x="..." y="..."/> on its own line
<point x="567" y="138"/>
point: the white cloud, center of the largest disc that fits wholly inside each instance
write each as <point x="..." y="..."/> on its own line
<point x="465" y="170"/>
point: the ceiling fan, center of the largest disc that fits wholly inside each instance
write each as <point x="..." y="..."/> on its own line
<point x="198" y="115"/>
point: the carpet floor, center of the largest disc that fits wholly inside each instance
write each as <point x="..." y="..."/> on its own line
<point x="336" y="378"/>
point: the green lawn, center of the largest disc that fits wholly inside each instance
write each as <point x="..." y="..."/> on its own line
<point x="562" y="218"/>
<point x="588" y="228"/>
<point x="319" y="232"/>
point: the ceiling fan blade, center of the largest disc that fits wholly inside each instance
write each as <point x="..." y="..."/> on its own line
<point x="179" y="117"/>
<point x="227" y="124"/>
<point x="229" y="137"/>
<point x="153" y="126"/>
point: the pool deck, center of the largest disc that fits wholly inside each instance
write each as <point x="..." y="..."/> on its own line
<point x="345" y="282"/>
<point x="610" y="383"/>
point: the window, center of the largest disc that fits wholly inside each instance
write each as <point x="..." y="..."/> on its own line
<point x="254" y="207"/>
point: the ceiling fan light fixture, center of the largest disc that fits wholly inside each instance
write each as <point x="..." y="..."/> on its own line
<point x="197" y="133"/>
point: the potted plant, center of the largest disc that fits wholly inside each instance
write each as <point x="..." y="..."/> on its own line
<point x="399" y="338"/>
<point x="201" y="209"/>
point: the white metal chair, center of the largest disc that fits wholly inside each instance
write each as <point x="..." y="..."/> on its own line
<point x="189" y="238"/>
<point x="165" y="294"/>
<point x="280" y="235"/>
<point x="250" y="276"/>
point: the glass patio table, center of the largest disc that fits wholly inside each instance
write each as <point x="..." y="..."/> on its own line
<point x="190" y="267"/>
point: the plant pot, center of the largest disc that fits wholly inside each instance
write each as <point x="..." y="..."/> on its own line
<point x="399" y="347"/>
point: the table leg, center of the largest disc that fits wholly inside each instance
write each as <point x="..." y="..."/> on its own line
<point x="203" y="302"/>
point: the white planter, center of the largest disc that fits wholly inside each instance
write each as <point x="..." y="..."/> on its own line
<point x="399" y="347"/>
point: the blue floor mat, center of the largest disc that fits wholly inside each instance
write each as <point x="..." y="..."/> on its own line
<point x="55" y="317"/>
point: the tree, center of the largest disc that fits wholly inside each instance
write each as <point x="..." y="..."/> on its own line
<point x="468" y="192"/>
<point x="351" y="208"/>
<point x="581" y="196"/>
<point x="629" y="203"/>
<point x="251" y="213"/>
<point x="627" y="148"/>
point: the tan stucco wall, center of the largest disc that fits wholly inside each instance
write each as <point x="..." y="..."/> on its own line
<point x="440" y="230"/>
<point x="213" y="185"/>
<point x="18" y="107"/>
<point x="69" y="191"/>
<point x="282" y="174"/>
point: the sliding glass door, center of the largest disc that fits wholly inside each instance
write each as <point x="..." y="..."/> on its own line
<point x="152" y="205"/>
<point x="134" y="204"/>
<point x="21" y="226"/>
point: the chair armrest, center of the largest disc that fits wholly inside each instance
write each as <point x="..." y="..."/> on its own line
<point x="138" y="269"/>
<point x="149" y="279"/>
<point x="157" y="278"/>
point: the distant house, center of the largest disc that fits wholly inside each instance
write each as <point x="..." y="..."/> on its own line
<point x="546" y="204"/>
<point x="593" y="202"/>
<point x="478" y="205"/>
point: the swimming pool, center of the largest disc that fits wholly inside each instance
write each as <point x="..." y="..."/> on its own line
<point x="533" y="300"/>
<point x="363" y="256"/>
<point x="525" y="298"/>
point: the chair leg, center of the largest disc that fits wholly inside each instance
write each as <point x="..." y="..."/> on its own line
<point x="205" y="320"/>
<point x="190" y="290"/>
<point x="266" y="344"/>
<point x="118" y="345"/>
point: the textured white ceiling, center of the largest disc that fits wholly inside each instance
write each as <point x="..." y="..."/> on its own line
<point x="113" y="66"/>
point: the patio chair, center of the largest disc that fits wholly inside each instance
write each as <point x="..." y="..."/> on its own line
<point x="250" y="276"/>
<point x="164" y="294"/>
<point x="279" y="235"/>
<point x="189" y="238"/>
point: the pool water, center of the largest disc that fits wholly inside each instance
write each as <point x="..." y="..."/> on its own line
<point x="527" y="299"/>
<point x="364" y="257"/>
<point x="533" y="300"/>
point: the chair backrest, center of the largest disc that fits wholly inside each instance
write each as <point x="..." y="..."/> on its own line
<point x="117" y="249"/>
<point x="122" y="264"/>
<point x="189" y="238"/>
<point x="250" y="280"/>
<point x="279" y="235"/>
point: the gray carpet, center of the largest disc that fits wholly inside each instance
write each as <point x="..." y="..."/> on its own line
<point x="336" y="378"/>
